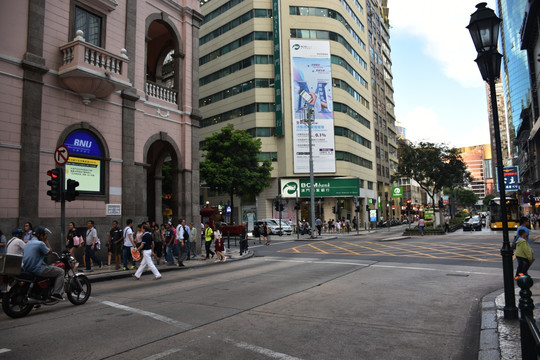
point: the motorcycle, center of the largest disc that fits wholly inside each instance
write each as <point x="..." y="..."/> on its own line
<point x="304" y="229"/>
<point x="20" y="293"/>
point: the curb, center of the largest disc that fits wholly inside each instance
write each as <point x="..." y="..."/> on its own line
<point x="396" y="238"/>
<point x="121" y="274"/>
<point x="489" y="334"/>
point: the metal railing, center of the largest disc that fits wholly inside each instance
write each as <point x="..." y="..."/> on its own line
<point x="530" y="335"/>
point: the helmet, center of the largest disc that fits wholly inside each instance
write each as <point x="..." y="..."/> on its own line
<point x="17" y="232"/>
<point x="40" y="230"/>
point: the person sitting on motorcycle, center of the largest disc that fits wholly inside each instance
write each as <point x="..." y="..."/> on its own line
<point x="15" y="245"/>
<point x="35" y="252"/>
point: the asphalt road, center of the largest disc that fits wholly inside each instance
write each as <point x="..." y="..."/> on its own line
<point x="280" y="304"/>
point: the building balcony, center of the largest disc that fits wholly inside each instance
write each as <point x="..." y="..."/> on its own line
<point x="161" y="92"/>
<point x="92" y="72"/>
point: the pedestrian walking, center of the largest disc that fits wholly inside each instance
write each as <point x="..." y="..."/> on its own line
<point x="318" y="225"/>
<point x="129" y="243"/>
<point x="421" y="224"/>
<point x="70" y="238"/>
<point x="244" y="239"/>
<point x="265" y="233"/>
<point x="193" y="235"/>
<point x="147" y="249"/>
<point x="208" y="236"/>
<point x="447" y="223"/>
<point x="219" y="246"/>
<point x="524" y="224"/>
<point x="115" y="245"/>
<point x="92" y="246"/>
<point x="169" y="243"/>
<point x="524" y="254"/>
<point x="180" y="237"/>
<point x="158" y="243"/>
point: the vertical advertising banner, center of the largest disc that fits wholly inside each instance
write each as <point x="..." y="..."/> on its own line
<point x="277" y="66"/>
<point x="311" y="87"/>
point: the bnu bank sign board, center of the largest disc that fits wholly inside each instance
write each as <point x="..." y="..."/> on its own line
<point x="322" y="187"/>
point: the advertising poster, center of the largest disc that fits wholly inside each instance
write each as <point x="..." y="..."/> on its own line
<point x="86" y="171"/>
<point x="311" y="82"/>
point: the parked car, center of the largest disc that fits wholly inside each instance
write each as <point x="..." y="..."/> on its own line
<point x="473" y="223"/>
<point x="276" y="229"/>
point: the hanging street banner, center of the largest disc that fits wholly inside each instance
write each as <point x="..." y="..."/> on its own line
<point x="323" y="187"/>
<point x="311" y="87"/>
<point x="397" y="192"/>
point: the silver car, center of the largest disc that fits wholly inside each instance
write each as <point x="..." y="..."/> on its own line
<point x="275" y="229"/>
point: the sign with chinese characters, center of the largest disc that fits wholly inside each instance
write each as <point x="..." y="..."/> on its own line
<point x="397" y="192"/>
<point x="322" y="187"/>
<point x="511" y="178"/>
<point x="311" y="89"/>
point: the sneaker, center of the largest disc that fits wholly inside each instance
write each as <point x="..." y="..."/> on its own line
<point x="157" y="278"/>
<point x="124" y="268"/>
<point x="133" y="267"/>
<point x="57" y="297"/>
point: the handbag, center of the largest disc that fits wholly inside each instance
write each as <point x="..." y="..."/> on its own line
<point x="135" y="254"/>
<point x="76" y="241"/>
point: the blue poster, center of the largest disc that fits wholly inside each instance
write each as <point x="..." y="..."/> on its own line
<point x="82" y="142"/>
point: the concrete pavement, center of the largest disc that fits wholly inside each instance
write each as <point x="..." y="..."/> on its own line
<point x="499" y="337"/>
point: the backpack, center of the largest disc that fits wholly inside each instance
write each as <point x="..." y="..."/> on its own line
<point x="513" y="242"/>
<point x="186" y="234"/>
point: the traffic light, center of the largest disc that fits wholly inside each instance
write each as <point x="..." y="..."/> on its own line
<point x="281" y="207"/>
<point x="56" y="190"/>
<point x="276" y="205"/>
<point x="297" y="206"/>
<point x="357" y="208"/>
<point x="71" y="191"/>
<point x="408" y="205"/>
<point x="333" y="209"/>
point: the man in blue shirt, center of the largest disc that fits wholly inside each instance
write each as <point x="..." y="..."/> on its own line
<point x="524" y="224"/>
<point x="35" y="252"/>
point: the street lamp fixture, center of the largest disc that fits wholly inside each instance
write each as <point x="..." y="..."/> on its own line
<point x="309" y="117"/>
<point x="484" y="29"/>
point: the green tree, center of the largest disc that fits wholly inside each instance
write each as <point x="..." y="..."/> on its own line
<point x="231" y="163"/>
<point x="465" y="197"/>
<point x="486" y="200"/>
<point x="432" y="166"/>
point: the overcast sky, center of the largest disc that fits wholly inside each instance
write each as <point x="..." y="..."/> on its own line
<point x="439" y="93"/>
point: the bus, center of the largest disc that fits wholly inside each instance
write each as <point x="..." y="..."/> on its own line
<point x="512" y="213"/>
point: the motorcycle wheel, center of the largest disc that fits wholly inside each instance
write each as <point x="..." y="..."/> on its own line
<point x="14" y="302"/>
<point x="78" y="290"/>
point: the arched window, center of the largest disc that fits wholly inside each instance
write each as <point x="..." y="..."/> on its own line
<point x="86" y="162"/>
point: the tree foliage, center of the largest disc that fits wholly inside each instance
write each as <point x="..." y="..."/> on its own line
<point x="231" y="163"/>
<point x="465" y="197"/>
<point x="432" y="166"/>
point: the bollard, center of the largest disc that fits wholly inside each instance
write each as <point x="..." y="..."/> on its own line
<point x="530" y="335"/>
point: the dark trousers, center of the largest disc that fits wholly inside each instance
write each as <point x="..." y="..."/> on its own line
<point x="243" y="246"/>
<point x="91" y="254"/>
<point x="209" y="251"/>
<point x="523" y="266"/>
<point x="182" y="253"/>
<point x="319" y="228"/>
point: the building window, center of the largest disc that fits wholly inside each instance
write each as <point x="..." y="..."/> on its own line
<point x="91" y="25"/>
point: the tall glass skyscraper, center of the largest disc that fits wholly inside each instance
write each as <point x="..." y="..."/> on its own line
<point x="515" y="68"/>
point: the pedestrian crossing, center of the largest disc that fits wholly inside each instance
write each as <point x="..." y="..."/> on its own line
<point x="478" y="251"/>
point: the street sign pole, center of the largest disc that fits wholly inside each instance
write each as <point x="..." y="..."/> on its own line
<point x="62" y="208"/>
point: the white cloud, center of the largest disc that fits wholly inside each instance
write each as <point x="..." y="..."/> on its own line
<point x="441" y="27"/>
<point x="425" y="124"/>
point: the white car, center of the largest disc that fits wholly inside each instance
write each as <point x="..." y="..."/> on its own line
<point x="273" y="224"/>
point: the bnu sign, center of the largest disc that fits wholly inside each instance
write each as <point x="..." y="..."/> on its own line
<point x="321" y="187"/>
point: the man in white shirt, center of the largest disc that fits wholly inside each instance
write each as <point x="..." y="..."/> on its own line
<point x="128" y="244"/>
<point x="182" y="248"/>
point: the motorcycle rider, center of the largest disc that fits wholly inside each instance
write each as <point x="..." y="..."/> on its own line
<point x="35" y="252"/>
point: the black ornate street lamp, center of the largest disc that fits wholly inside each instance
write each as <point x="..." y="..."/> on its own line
<point x="484" y="29"/>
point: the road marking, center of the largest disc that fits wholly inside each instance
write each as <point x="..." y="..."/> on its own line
<point x="4" y="350"/>
<point x="162" y="354"/>
<point x="149" y="314"/>
<point x="260" y="350"/>
<point x="378" y="265"/>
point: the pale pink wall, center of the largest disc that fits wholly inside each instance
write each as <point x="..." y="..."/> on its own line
<point x="13" y="27"/>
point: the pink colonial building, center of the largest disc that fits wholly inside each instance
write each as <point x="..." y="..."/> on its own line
<point x="114" y="81"/>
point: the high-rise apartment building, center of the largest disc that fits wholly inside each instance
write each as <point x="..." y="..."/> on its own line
<point x="265" y="64"/>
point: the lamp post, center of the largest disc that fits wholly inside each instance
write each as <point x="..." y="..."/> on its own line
<point x="484" y="29"/>
<point x="309" y="114"/>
